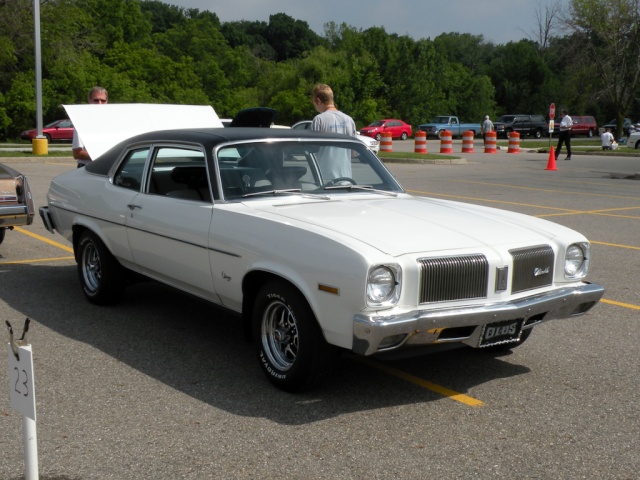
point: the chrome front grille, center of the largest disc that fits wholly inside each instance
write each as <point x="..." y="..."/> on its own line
<point x="532" y="268"/>
<point x="453" y="278"/>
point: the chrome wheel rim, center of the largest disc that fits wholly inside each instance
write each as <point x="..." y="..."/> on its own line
<point x="91" y="267"/>
<point x="279" y="333"/>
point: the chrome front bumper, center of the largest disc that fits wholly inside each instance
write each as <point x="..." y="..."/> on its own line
<point x="376" y="333"/>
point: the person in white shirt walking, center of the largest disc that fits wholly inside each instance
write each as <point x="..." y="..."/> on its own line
<point x="565" y="134"/>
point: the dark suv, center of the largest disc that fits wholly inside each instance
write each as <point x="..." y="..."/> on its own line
<point x="534" y="125"/>
<point x="626" y="126"/>
<point x="584" y="125"/>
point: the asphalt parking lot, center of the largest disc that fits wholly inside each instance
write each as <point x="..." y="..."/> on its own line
<point x="163" y="386"/>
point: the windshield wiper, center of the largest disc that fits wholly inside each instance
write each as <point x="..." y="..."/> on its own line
<point x="289" y="191"/>
<point x="362" y="188"/>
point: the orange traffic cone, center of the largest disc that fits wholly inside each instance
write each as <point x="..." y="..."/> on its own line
<point x="551" y="164"/>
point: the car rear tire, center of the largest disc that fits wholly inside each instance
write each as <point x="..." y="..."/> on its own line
<point x="101" y="276"/>
<point x="538" y="134"/>
<point x="590" y="133"/>
<point x="290" y="346"/>
<point x="404" y="135"/>
<point x="638" y="144"/>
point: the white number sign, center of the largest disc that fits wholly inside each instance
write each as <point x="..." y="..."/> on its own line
<point x="21" y="386"/>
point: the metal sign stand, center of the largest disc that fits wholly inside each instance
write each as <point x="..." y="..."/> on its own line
<point x="23" y="398"/>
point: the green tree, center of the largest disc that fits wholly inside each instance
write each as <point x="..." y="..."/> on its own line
<point x="609" y="32"/>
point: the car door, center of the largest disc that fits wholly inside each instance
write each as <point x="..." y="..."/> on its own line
<point x="396" y="129"/>
<point x="63" y="131"/>
<point x="168" y="221"/>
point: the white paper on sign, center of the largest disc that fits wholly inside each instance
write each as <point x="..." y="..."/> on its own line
<point x="101" y="127"/>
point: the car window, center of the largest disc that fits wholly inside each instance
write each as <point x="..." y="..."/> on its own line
<point x="129" y="175"/>
<point x="250" y="169"/>
<point x="179" y="173"/>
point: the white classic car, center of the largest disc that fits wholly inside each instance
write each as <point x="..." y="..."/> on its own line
<point x="313" y="242"/>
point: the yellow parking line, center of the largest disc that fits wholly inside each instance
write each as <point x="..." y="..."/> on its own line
<point x="629" y="247"/>
<point x="37" y="260"/>
<point x="445" y="392"/>
<point x="485" y="200"/>
<point x="620" y="304"/>
<point x="66" y="248"/>
<point x="567" y="192"/>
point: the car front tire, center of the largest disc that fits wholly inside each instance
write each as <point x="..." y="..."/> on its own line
<point x="378" y="136"/>
<point x="3" y="231"/>
<point x="101" y="276"/>
<point x="291" y="349"/>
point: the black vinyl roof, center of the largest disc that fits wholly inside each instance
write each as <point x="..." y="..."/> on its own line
<point x="209" y="138"/>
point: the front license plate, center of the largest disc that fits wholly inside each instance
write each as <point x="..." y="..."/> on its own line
<point x="501" y="332"/>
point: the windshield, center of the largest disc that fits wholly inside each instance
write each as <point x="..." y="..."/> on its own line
<point x="377" y="123"/>
<point x="441" y="120"/>
<point x="506" y="119"/>
<point x="248" y="170"/>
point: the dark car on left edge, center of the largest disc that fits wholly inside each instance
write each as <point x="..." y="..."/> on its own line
<point x="58" y="131"/>
<point x="16" y="202"/>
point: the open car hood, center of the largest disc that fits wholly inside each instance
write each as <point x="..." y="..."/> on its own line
<point x="254" y="117"/>
<point x="101" y="127"/>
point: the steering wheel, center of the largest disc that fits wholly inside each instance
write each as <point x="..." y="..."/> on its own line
<point x="338" y="180"/>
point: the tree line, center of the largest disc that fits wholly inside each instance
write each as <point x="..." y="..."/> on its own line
<point x="585" y="58"/>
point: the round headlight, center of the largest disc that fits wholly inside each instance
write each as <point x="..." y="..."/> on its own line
<point x="381" y="284"/>
<point x="575" y="262"/>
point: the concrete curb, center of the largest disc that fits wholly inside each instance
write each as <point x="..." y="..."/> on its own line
<point x="69" y="160"/>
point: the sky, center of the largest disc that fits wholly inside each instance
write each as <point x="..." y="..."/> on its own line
<point x="499" y="21"/>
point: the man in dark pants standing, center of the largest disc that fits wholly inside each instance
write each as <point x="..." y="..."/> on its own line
<point x="565" y="134"/>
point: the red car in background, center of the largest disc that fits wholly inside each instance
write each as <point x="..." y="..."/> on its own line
<point x="58" y="131"/>
<point x="398" y="129"/>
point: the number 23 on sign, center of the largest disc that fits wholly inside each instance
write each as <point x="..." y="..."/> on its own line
<point x="21" y="385"/>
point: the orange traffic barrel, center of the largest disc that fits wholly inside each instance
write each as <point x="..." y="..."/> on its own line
<point x="514" y="143"/>
<point x="446" y="144"/>
<point x="491" y="142"/>
<point x="386" y="145"/>
<point x="421" y="142"/>
<point x="467" y="141"/>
